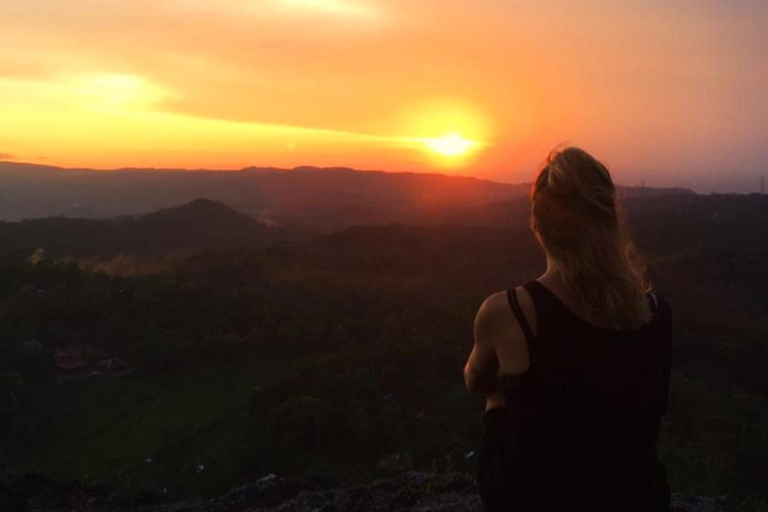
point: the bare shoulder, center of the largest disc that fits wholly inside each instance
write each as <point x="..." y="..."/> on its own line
<point x="497" y="325"/>
<point x="488" y="319"/>
<point x="496" y="308"/>
<point x="492" y="306"/>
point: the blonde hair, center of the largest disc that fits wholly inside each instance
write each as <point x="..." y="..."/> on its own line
<point x="576" y="218"/>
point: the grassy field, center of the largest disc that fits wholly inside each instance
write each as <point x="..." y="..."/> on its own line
<point x="96" y="424"/>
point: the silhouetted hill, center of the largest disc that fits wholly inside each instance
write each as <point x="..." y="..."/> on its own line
<point x="199" y="225"/>
<point x="318" y="198"/>
<point x="683" y="222"/>
<point x="515" y="213"/>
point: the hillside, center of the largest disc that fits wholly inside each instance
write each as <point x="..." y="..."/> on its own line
<point x="330" y="354"/>
<point x="199" y="225"/>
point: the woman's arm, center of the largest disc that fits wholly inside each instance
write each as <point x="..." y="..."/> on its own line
<point x="482" y="367"/>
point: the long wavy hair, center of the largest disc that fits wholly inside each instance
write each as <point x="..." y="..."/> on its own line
<point x="577" y="220"/>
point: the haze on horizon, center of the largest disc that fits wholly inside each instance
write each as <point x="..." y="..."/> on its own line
<point x="669" y="93"/>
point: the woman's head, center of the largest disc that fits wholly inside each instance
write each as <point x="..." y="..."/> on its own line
<point x="575" y="217"/>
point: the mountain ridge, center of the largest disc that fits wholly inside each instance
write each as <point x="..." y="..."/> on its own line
<point x="316" y="198"/>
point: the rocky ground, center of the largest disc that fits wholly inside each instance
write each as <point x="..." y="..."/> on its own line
<point x="407" y="492"/>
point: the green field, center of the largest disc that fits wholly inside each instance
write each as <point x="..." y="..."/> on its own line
<point x="95" y="425"/>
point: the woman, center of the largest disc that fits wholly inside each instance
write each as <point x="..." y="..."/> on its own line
<point x="574" y="364"/>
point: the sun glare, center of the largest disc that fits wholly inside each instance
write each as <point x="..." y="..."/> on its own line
<point x="451" y="145"/>
<point x="339" y="7"/>
<point x="116" y="92"/>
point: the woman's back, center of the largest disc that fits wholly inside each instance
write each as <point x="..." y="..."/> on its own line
<point x="574" y="405"/>
<point x="580" y="427"/>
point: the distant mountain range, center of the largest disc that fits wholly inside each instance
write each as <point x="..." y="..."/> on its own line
<point x="196" y="226"/>
<point x="309" y="197"/>
<point x="660" y="223"/>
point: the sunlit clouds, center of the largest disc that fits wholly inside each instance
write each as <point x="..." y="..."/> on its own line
<point x="77" y="108"/>
<point x="114" y="92"/>
<point x="665" y="94"/>
<point x="344" y="10"/>
<point x="347" y="8"/>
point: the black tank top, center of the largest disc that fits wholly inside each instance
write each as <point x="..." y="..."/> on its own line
<point x="582" y="423"/>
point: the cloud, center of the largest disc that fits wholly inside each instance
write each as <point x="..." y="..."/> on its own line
<point x="255" y="10"/>
<point x="115" y="91"/>
<point x="6" y="156"/>
<point x="348" y="8"/>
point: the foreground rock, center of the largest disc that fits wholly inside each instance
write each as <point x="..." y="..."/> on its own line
<point x="408" y="492"/>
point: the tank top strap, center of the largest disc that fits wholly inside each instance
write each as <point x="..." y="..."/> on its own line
<point x="518" y="311"/>
<point x="547" y="307"/>
<point x="530" y="338"/>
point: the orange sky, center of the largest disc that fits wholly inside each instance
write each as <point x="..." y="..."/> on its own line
<point x="670" y="92"/>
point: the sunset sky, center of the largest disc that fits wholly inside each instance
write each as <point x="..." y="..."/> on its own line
<point x="672" y="92"/>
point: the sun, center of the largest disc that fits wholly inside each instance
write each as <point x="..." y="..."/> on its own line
<point x="451" y="145"/>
